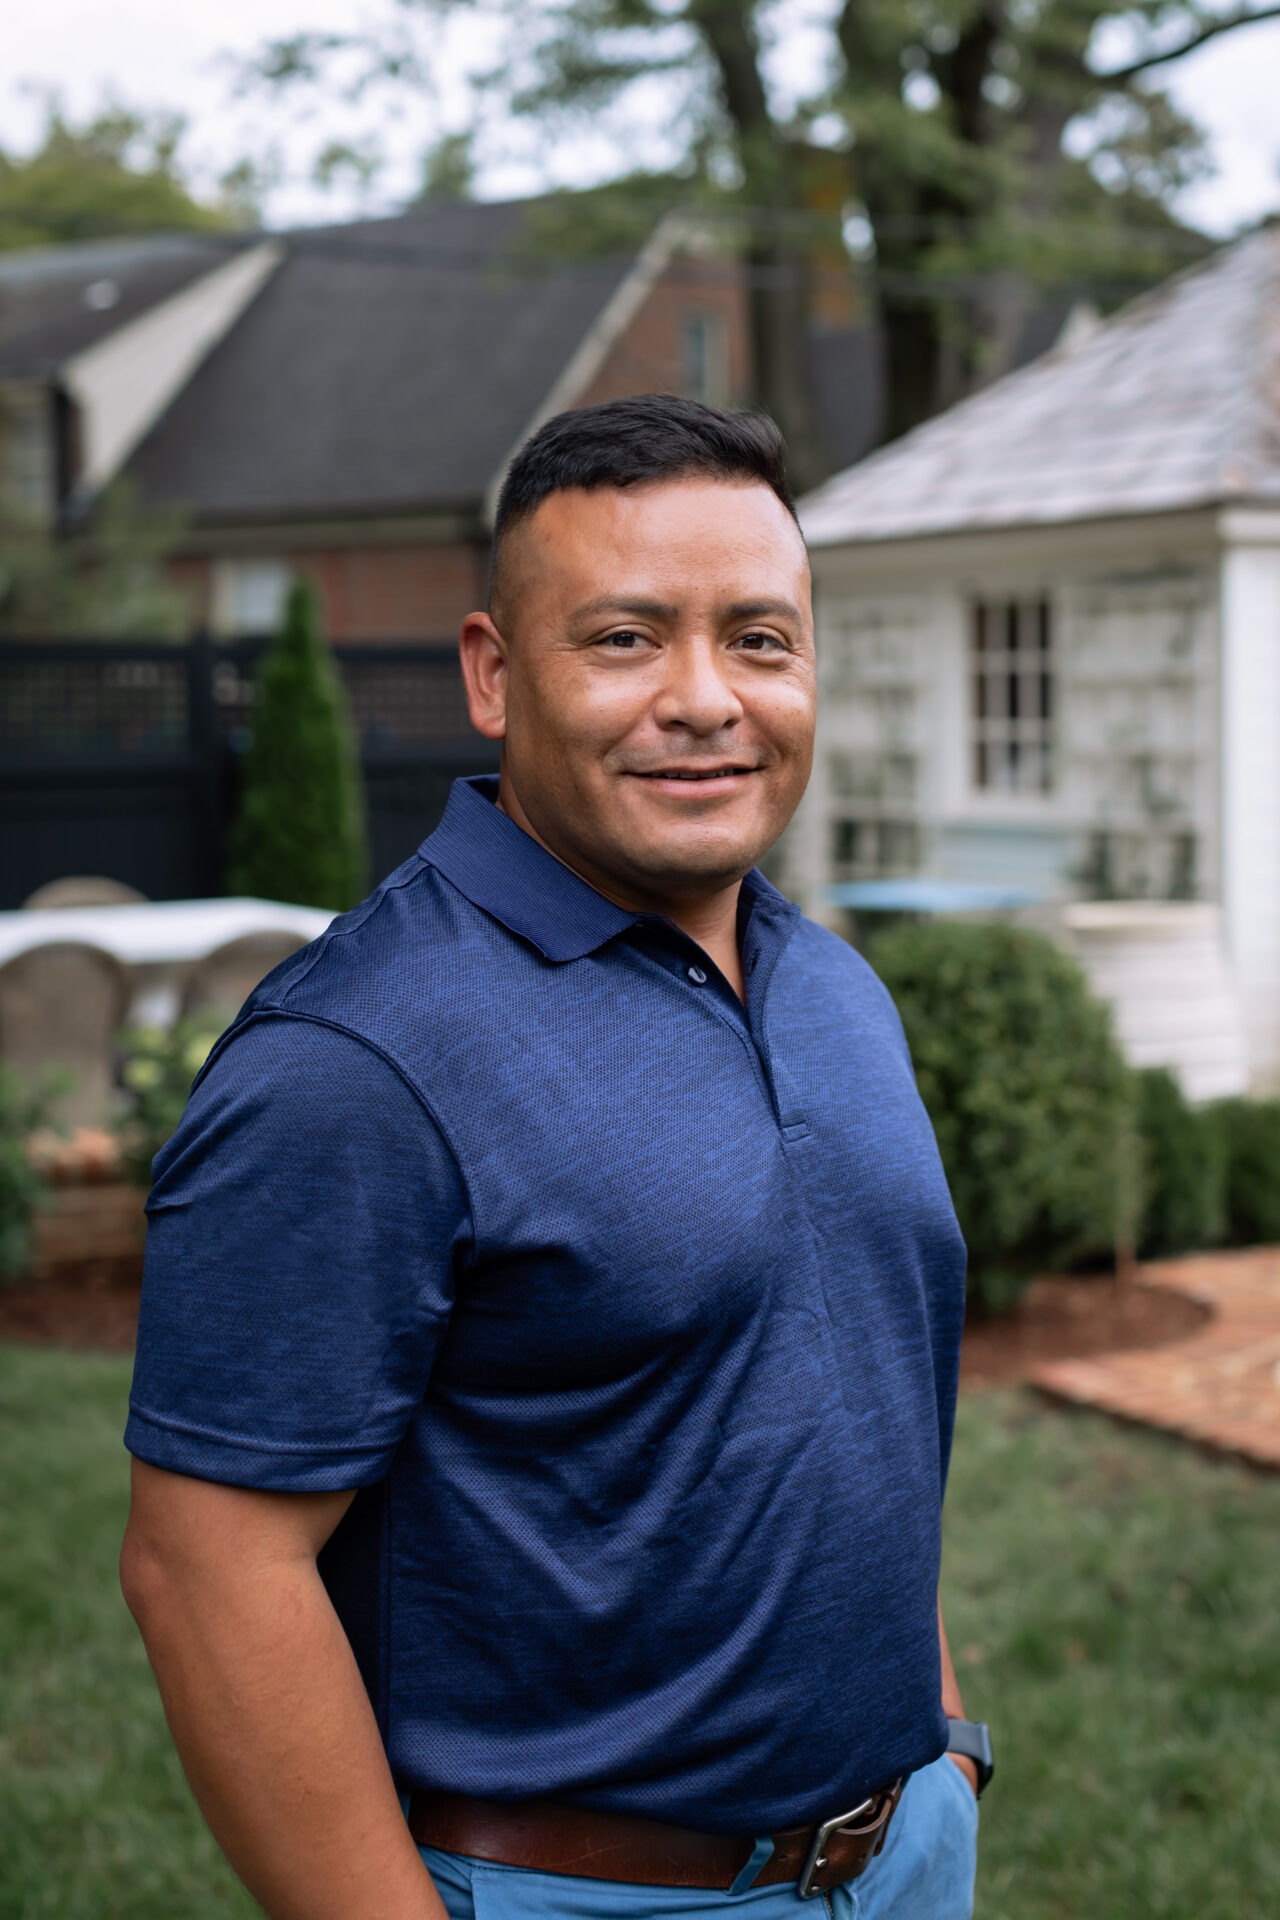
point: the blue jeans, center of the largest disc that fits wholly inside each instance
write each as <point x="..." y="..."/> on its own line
<point x="924" y="1873"/>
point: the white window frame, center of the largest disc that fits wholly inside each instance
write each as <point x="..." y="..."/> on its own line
<point x="248" y="596"/>
<point x="1013" y="694"/>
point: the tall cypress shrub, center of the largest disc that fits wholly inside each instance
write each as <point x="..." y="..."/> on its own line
<point x="299" y="834"/>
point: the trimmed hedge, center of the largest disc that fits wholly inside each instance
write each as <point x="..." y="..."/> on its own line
<point x="1029" y="1096"/>
<point x="1251" y="1133"/>
<point x="1185" y="1168"/>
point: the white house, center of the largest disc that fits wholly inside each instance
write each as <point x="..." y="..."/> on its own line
<point x="1049" y="629"/>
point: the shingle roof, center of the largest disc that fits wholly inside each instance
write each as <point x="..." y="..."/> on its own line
<point x="386" y="366"/>
<point x="1174" y="402"/>
<point x="56" y="301"/>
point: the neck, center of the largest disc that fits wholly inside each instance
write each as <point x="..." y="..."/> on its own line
<point x="710" y="919"/>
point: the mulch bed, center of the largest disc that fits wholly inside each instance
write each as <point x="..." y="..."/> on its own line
<point x="1073" y="1317"/>
<point x="95" y="1305"/>
<point x="89" y="1304"/>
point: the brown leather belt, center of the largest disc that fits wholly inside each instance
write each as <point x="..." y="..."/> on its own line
<point x="554" y="1838"/>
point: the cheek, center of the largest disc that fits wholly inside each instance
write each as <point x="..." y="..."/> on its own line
<point x="568" y="721"/>
<point x="787" y="717"/>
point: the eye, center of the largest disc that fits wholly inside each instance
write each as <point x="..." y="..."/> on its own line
<point x="760" y="643"/>
<point x="625" y="640"/>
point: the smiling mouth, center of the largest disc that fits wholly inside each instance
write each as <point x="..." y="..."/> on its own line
<point x="683" y="773"/>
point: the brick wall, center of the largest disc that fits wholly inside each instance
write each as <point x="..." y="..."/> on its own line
<point x="370" y="592"/>
<point x="397" y="593"/>
<point x="649" y="358"/>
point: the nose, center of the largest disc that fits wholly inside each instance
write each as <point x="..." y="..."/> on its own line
<point x="697" y="693"/>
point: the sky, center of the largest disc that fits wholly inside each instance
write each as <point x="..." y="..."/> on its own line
<point x="155" y="54"/>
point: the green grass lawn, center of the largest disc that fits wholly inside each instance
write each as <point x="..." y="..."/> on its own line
<point x="1110" y="1596"/>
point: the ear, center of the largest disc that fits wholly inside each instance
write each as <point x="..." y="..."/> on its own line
<point x="483" y="653"/>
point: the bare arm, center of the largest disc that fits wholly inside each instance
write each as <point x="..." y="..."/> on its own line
<point x="952" y="1704"/>
<point x="264" y="1700"/>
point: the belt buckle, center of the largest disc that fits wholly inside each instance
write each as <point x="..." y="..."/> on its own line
<point x="817" y="1853"/>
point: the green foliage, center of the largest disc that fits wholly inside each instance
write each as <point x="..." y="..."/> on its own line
<point x="115" y="174"/>
<point x="1029" y="1097"/>
<point x="1185" y="1168"/>
<point x="1252" y="1136"/>
<point x="997" y="157"/>
<point x="299" y="834"/>
<point x="108" y="580"/>
<point x="449" y="169"/>
<point x="158" y="1067"/>
<point x="22" y="1186"/>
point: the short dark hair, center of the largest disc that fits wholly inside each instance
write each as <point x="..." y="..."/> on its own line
<point x="625" y="443"/>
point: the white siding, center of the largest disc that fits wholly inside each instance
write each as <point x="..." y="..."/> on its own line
<point x="1251" y="786"/>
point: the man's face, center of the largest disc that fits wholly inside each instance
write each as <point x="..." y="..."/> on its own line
<point x="651" y="677"/>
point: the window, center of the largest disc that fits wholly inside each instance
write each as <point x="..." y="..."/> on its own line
<point x="704" y="358"/>
<point x="1012" y="696"/>
<point x="249" y="595"/>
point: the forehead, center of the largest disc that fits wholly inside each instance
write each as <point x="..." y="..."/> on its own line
<point x="689" y="532"/>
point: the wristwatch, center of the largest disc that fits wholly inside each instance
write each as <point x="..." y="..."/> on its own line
<point x="971" y="1739"/>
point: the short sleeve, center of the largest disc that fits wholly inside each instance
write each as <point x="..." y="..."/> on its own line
<point x="303" y="1234"/>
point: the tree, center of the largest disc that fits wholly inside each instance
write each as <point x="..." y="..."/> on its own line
<point x="106" y="581"/>
<point x="299" y="834"/>
<point x="980" y="145"/>
<point x="115" y="174"/>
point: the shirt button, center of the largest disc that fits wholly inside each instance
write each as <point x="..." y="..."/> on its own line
<point x="697" y="976"/>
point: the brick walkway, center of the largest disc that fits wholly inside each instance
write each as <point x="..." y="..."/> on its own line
<point x="1220" y="1386"/>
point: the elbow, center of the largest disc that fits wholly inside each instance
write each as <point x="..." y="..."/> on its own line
<point x="142" y="1578"/>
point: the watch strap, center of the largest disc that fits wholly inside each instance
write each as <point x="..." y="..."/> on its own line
<point x="971" y="1739"/>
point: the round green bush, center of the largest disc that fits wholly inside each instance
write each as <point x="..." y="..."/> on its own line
<point x="1184" y="1168"/>
<point x="1029" y="1097"/>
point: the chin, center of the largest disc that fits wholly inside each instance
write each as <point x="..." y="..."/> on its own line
<point x="687" y="860"/>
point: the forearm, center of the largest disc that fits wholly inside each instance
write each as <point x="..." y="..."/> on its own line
<point x="274" y="1728"/>
<point x="952" y="1704"/>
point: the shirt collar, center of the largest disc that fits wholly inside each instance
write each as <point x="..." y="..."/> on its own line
<point x="505" y="872"/>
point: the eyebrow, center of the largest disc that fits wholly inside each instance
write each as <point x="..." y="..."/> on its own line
<point x="664" y="610"/>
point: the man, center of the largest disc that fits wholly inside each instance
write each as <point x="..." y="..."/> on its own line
<point x="548" y="1349"/>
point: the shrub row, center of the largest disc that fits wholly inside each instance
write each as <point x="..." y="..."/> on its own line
<point x="1212" y="1173"/>
<point x="1056" y="1152"/>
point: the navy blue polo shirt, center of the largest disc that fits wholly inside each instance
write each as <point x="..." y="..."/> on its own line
<point x="632" y="1313"/>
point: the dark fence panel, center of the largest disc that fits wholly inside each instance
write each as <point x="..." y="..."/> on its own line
<point x="120" y="758"/>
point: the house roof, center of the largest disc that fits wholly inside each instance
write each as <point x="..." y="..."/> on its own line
<point x="1172" y="403"/>
<point x="385" y="366"/>
<point x="57" y="301"/>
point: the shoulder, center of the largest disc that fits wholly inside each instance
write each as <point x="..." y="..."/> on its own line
<point x="382" y="972"/>
<point x="827" y="963"/>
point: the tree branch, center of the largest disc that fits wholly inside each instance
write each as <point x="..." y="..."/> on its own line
<point x="1210" y="31"/>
